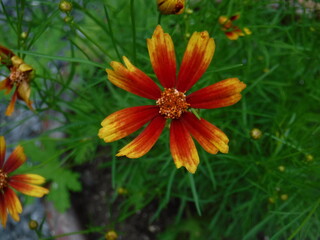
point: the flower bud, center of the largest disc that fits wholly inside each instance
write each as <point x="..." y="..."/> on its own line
<point x="255" y="133"/>
<point x="33" y="224"/>
<point x="111" y="235"/>
<point x="65" y="6"/>
<point x="171" y="6"/>
<point x="284" y="197"/>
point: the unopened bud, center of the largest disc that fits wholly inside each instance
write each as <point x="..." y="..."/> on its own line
<point x="33" y="225"/>
<point x="65" y="6"/>
<point x="255" y="133"/>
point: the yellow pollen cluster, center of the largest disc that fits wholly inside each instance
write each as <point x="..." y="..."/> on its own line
<point x="172" y="103"/>
<point x="3" y="179"/>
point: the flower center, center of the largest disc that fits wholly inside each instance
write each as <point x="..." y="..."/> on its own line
<point x="17" y="76"/>
<point x="3" y="180"/>
<point x="172" y="103"/>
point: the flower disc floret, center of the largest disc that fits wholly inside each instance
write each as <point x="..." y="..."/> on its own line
<point x="3" y="179"/>
<point x="172" y="103"/>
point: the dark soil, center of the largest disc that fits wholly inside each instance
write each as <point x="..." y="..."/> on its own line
<point x="94" y="204"/>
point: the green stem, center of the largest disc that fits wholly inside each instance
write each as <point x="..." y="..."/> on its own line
<point x="159" y="19"/>
<point x="111" y="33"/>
<point x="133" y="21"/>
<point x="91" y="40"/>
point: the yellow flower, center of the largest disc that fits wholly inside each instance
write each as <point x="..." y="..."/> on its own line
<point x="171" y="6"/>
<point x="20" y="76"/>
<point x="24" y="183"/>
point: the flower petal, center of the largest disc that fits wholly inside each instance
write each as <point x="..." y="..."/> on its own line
<point x="24" y="93"/>
<point x="182" y="147"/>
<point x="28" y="178"/>
<point x="2" y="150"/>
<point x="15" y="160"/>
<point x="232" y="35"/>
<point x="220" y="94"/>
<point x="124" y="122"/>
<point x="3" y="210"/>
<point x="163" y="58"/>
<point x="29" y="189"/>
<point x="13" y="204"/>
<point x="5" y="56"/>
<point x="133" y="80"/>
<point x="196" y="60"/>
<point x="6" y="84"/>
<point x="211" y="138"/>
<point x="10" y="108"/>
<point x="145" y="141"/>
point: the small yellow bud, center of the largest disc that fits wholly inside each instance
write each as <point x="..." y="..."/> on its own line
<point x="312" y="29"/>
<point x="65" y="6"/>
<point x="309" y="158"/>
<point x="265" y="70"/>
<point x="68" y="19"/>
<point x="122" y="191"/>
<point x="271" y="200"/>
<point x="24" y="35"/>
<point x="33" y="225"/>
<point x="189" y="11"/>
<point x="281" y="168"/>
<point x="255" y="133"/>
<point x="284" y="197"/>
<point x="187" y="35"/>
<point x="111" y="235"/>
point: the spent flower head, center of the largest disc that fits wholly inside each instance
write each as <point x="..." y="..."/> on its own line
<point x="20" y="76"/>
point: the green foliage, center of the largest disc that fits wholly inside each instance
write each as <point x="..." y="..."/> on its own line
<point x="267" y="187"/>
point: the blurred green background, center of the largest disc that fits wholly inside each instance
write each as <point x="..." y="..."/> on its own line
<point x="266" y="188"/>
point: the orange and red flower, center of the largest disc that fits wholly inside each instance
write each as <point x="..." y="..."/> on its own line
<point x="171" y="6"/>
<point x="24" y="183"/>
<point x="20" y="76"/>
<point x="171" y="103"/>
<point x="232" y="31"/>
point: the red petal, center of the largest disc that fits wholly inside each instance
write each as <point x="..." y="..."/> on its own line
<point x="3" y="210"/>
<point x="28" y="178"/>
<point x="208" y="136"/>
<point x="13" y="204"/>
<point x="163" y="58"/>
<point x="182" y="147"/>
<point x="15" y="160"/>
<point x="2" y="150"/>
<point x="145" y="141"/>
<point x="10" y="108"/>
<point x="196" y="60"/>
<point x="6" y="84"/>
<point x="28" y="189"/>
<point x="124" y="122"/>
<point x="5" y="56"/>
<point x="133" y="80"/>
<point x="232" y="35"/>
<point x="220" y="94"/>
